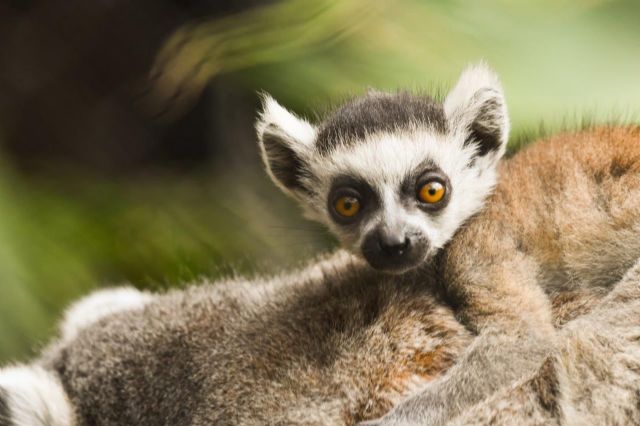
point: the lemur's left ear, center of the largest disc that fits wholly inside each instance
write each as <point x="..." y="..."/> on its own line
<point x="286" y="142"/>
<point x="476" y="107"/>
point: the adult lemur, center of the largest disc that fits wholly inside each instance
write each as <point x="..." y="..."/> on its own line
<point x="395" y="177"/>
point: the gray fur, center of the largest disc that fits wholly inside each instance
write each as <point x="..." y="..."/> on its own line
<point x="287" y="167"/>
<point x="312" y="347"/>
<point x="378" y="112"/>
<point x="592" y="378"/>
<point x="5" y="414"/>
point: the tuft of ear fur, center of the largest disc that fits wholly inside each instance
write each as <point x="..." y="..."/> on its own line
<point x="285" y="142"/>
<point x="476" y="108"/>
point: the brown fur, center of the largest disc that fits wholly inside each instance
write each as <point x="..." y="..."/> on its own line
<point x="565" y="216"/>
<point x="575" y="208"/>
<point x="591" y="378"/>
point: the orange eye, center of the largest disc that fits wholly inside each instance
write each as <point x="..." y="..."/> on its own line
<point x="431" y="192"/>
<point x="347" y="206"/>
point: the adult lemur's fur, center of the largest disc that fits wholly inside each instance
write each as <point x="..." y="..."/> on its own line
<point x="396" y="176"/>
<point x="339" y="341"/>
<point x="321" y="346"/>
<point x="330" y="344"/>
<point x="592" y="378"/>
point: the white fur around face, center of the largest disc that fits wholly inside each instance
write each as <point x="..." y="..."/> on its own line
<point x="35" y="397"/>
<point x="98" y="305"/>
<point x="385" y="160"/>
<point x="475" y="110"/>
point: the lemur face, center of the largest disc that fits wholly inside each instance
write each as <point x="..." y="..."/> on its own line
<point x="393" y="176"/>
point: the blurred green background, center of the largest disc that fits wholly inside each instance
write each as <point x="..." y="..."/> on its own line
<point x="126" y="126"/>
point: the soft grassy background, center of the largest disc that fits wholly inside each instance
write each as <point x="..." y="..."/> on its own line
<point x="128" y="149"/>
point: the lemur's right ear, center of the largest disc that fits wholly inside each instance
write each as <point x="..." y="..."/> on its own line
<point x="476" y="108"/>
<point x="286" y="142"/>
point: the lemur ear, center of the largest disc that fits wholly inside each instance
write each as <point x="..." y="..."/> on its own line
<point x="476" y="107"/>
<point x="285" y="142"/>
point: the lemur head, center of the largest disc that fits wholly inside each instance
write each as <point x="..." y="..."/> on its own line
<point x="392" y="175"/>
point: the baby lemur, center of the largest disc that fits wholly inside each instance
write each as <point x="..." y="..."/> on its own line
<point x="395" y="176"/>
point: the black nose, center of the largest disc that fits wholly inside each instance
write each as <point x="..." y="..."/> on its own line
<point x="394" y="252"/>
<point x="394" y="245"/>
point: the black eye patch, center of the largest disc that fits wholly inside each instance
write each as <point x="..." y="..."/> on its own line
<point x="426" y="172"/>
<point x="348" y="186"/>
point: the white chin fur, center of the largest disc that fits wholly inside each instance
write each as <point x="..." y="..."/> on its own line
<point x="98" y="305"/>
<point x="34" y="397"/>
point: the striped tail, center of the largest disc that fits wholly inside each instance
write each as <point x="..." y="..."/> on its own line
<point x="33" y="396"/>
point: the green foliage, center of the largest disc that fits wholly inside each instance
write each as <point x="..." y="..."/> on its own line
<point x="556" y="58"/>
<point x="60" y="240"/>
